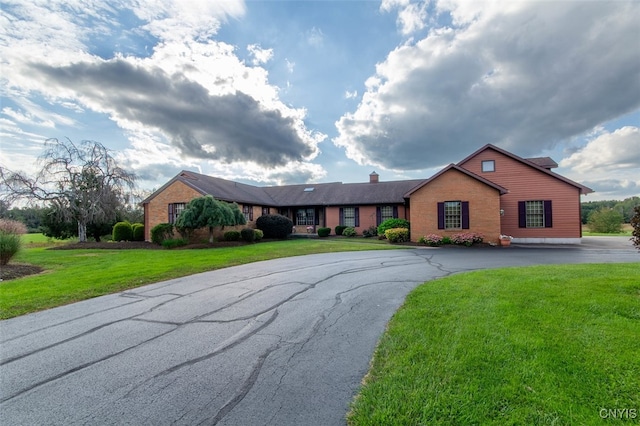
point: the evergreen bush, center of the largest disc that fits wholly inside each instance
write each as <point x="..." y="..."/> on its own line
<point x="340" y="229"/>
<point x="231" y="236"/>
<point x="161" y="232"/>
<point x="391" y="224"/>
<point x="248" y="235"/>
<point x="274" y="226"/>
<point x="122" y="231"/>
<point x="138" y="231"/>
<point x="258" y="234"/>
<point x="349" y="232"/>
<point x="324" y="232"/>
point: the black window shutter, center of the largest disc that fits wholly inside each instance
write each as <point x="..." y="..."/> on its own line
<point x="250" y="213"/>
<point x="378" y="215"/>
<point x="341" y="216"/>
<point x="170" y="213"/>
<point x="465" y="215"/>
<point x="357" y="214"/>
<point x="317" y="217"/>
<point x="548" y="219"/>
<point x="395" y="212"/>
<point x="522" y="214"/>
<point x="440" y="215"/>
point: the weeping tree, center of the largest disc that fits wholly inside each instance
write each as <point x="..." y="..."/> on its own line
<point x="208" y="212"/>
<point x="81" y="182"/>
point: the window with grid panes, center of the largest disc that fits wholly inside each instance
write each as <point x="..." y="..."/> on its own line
<point x="176" y="210"/>
<point x="452" y="215"/>
<point x="386" y="212"/>
<point x="535" y="214"/>
<point x="305" y="217"/>
<point x="349" y="216"/>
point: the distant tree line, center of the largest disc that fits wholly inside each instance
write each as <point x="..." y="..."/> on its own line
<point x="625" y="208"/>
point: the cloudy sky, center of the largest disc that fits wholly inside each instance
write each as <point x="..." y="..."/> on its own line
<point x="276" y="92"/>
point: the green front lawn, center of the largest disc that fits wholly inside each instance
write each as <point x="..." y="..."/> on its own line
<point x="74" y="275"/>
<point x="514" y="346"/>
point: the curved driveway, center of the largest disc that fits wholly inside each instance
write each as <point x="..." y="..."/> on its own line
<point x="283" y="342"/>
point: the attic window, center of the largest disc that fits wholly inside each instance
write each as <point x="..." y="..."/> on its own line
<point x="310" y="189"/>
<point x="489" y="166"/>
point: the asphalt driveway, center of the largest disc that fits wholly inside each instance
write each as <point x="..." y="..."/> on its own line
<point x="283" y="342"/>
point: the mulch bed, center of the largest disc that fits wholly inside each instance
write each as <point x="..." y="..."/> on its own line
<point x="13" y="271"/>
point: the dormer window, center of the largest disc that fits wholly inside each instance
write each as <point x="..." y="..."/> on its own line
<point x="489" y="166"/>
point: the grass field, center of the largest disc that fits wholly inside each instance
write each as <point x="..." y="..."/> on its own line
<point x="515" y="346"/>
<point x="74" y="275"/>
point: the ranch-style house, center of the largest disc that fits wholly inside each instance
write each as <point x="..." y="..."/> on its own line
<point x="491" y="192"/>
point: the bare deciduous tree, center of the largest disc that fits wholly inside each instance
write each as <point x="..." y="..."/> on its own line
<point x="82" y="182"/>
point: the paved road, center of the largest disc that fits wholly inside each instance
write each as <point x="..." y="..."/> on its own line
<point x="284" y="342"/>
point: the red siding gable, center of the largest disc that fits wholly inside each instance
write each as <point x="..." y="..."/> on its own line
<point x="526" y="182"/>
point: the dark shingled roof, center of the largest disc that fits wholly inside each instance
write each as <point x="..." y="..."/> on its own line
<point x="322" y="194"/>
<point x="545" y="162"/>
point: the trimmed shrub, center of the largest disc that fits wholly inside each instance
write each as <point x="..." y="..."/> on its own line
<point x="122" y="231"/>
<point x="397" y="235"/>
<point x="349" y="232"/>
<point x="274" y="226"/>
<point x="138" y="231"/>
<point x="161" y="232"/>
<point x="340" y="229"/>
<point x="467" y="239"/>
<point x="432" y="240"/>
<point x="10" y="241"/>
<point x="231" y="236"/>
<point x="174" y="242"/>
<point x="371" y="231"/>
<point x="248" y="235"/>
<point x="258" y="234"/>
<point x="391" y="224"/>
<point x="324" y="232"/>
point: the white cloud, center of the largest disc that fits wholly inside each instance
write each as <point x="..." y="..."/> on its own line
<point x="526" y="76"/>
<point x="411" y="16"/>
<point x="260" y="55"/>
<point x="192" y="92"/>
<point x="608" y="152"/>
<point x="290" y="65"/>
<point x="609" y="163"/>
<point x="351" y="95"/>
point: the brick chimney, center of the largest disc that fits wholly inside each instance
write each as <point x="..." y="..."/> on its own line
<point x="373" y="177"/>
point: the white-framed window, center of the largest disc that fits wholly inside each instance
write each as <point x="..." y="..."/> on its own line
<point x="349" y="216"/>
<point x="452" y="215"/>
<point x="489" y="166"/>
<point x="535" y="214"/>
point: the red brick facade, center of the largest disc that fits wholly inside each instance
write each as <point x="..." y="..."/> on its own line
<point x="453" y="185"/>
<point x="493" y="195"/>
